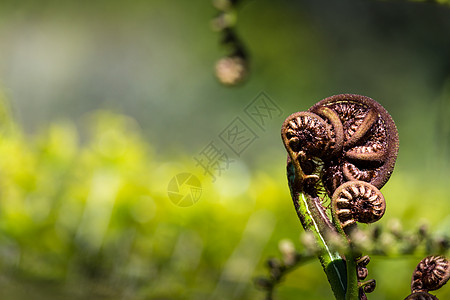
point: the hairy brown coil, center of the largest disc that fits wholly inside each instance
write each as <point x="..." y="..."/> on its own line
<point x="344" y="138"/>
<point x="430" y="274"/>
<point x="357" y="201"/>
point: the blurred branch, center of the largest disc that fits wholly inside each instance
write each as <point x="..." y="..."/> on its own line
<point x="278" y="269"/>
<point x="390" y="242"/>
<point x="232" y="69"/>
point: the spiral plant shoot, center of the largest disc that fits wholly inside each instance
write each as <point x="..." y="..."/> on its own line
<point x="343" y="148"/>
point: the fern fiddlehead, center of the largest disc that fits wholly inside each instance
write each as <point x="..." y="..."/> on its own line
<point x="344" y="147"/>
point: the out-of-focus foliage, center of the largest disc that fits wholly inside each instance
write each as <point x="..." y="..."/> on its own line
<point x="112" y="99"/>
<point x="92" y="218"/>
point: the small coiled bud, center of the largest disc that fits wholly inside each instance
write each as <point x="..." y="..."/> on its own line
<point x="369" y="286"/>
<point x="430" y="274"/>
<point x="306" y="132"/>
<point x="361" y="267"/>
<point x="357" y="201"/>
<point x="366" y="287"/>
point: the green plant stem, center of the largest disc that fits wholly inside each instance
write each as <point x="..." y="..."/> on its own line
<point x="352" y="292"/>
<point x="312" y="217"/>
<point x="352" y="277"/>
<point x="314" y="220"/>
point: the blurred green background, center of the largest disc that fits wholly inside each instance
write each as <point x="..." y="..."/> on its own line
<point x="104" y="102"/>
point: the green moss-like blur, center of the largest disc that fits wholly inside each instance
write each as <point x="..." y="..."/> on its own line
<point x="103" y="104"/>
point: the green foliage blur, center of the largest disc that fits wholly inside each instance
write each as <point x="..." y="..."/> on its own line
<point x="102" y="104"/>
